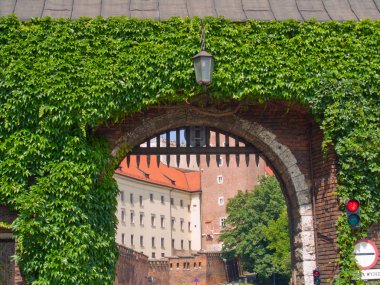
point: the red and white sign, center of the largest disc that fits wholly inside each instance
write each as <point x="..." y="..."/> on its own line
<point x="366" y="253"/>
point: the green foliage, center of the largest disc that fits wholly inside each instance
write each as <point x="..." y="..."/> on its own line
<point x="61" y="78"/>
<point x="257" y="230"/>
<point x="277" y="235"/>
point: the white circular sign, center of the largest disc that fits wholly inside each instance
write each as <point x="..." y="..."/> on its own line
<point x="366" y="253"/>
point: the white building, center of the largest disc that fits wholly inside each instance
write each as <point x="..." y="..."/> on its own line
<point x="158" y="208"/>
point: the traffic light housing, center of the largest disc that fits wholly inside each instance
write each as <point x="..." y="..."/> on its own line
<point x="316" y="277"/>
<point x="353" y="213"/>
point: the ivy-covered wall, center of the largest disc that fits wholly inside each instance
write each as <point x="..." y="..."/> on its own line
<point x="61" y="78"/>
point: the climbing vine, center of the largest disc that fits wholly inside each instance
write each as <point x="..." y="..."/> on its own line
<point x="59" y="79"/>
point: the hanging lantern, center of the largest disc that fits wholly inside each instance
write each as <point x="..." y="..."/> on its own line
<point x="203" y="64"/>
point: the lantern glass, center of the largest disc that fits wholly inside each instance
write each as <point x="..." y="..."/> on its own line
<point x="204" y="66"/>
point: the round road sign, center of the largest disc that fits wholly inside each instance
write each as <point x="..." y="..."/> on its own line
<point x="366" y="253"/>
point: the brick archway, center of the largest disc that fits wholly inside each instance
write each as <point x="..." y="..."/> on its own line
<point x="282" y="134"/>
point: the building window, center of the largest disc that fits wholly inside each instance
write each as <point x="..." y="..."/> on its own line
<point x="141" y="219"/>
<point x="219" y="179"/>
<point x="189" y="226"/>
<point x="142" y="241"/>
<point x="189" y="244"/>
<point x="132" y="217"/>
<point x="162" y="243"/>
<point x="177" y="265"/>
<point x="220" y="201"/>
<point x="173" y="243"/>
<point x="162" y="221"/>
<point x="182" y="222"/>
<point x="188" y="208"/>
<point x="162" y="200"/>
<point x="153" y="242"/>
<point x="132" y="242"/>
<point x="195" y="265"/>
<point x="151" y="197"/>
<point x="171" y="266"/>
<point x="122" y="196"/>
<point x="181" y="203"/>
<point x="122" y="238"/>
<point x="141" y="200"/>
<point x="173" y="220"/>
<point x="153" y="255"/>
<point x="181" y="243"/>
<point x="171" y="201"/>
<point x="200" y="264"/>
<point x="163" y="255"/>
<point x="123" y="215"/>
<point x="153" y="220"/>
<point x="222" y="222"/>
<point x="131" y="198"/>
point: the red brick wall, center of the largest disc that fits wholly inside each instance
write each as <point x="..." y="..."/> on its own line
<point x="207" y="268"/>
<point x="326" y="206"/>
<point x="184" y="270"/>
<point x="7" y="267"/>
<point x="216" y="273"/>
<point x="159" y="270"/>
<point x="6" y="216"/>
<point x="374" y="235"/>
<point x="132" y="267"/>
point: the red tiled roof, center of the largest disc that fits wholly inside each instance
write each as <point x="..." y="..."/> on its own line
<point x="269" y="170"/>
<point x="162" y="174"/>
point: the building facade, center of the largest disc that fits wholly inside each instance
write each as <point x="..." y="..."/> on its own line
<point x="220" y="183"/>
<point x="158" y="209"/>
<point x="220" y="179"/>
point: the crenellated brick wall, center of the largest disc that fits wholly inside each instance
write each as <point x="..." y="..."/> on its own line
<point x="159" y="271"/>
<point x="132" y="267"/>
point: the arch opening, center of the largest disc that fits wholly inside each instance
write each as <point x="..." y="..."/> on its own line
<point x="282" y="158"/>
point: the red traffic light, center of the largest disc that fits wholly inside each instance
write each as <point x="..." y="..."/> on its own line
<point x="316" y="277"/>
<point x="352" y="205"/>
<point x="353" y="213"/>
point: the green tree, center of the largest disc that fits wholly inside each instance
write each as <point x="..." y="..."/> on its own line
<point x="257" y="230"/>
